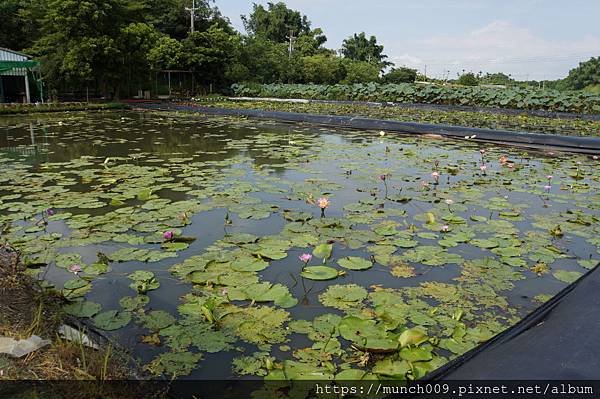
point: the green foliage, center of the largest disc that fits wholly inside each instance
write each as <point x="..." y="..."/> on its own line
<point x="275" y="22"/>
<point x="586" y="74"/>
<point x="400" y="75"/>
<point x="467" y="79"/>
<point x="322" y="69"/>
<point x="519" y="98"/>
<point x="210" y="52"/>
<point x="359" y="48"/>
<point x="360" y="72"/>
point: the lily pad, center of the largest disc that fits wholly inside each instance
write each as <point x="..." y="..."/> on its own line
<point x="355" y="263"/>
<point x="319" y="273"/>
<point x="112" y="320"/>
<point x="82" y="309"/>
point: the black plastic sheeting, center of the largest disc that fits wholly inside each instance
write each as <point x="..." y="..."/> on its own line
<point x="588" y="145"/>
<point x="442" y="107"/>
<point x="558" y="341"/>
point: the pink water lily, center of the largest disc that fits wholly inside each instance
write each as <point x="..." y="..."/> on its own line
<point x="449" y="201"/>
<point x="435" y="175"/>
<point x="382" y="177"/>
<point x="595" y="157"/>
<point x="483" y="168"/>
<point x="50" y="212"/>
<point x="168" y="235"/>
<point x="75" y="269"/>
<point x="323" y="203"/>
<point x="445" y="228"/>
<point x="547" y="187"/>
<point x="305" y="258"/>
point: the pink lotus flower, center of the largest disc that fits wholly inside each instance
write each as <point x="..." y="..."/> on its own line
<point x="549" y="177"/>
<point x="445" y="228"/>
<point x="595" y="157"/>
<point x="483" y="168"/>
<point x="382" y="177"/>
<point x="547" y="187"/>
<point x="435" y="175"/>
<point x="482" y="151"/>
<point x="449" y="201"/>
<point x="75" y="269"/>
<point x="49" y="211"/>
<point x="323" y="203"/>
<point x="305" y="258"/>
<point x="168" y="235"/>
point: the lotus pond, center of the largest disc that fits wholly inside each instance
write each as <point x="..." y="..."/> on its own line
<point x="216" y="248"/>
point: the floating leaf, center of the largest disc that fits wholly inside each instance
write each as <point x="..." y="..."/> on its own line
<point x="355" y="263"/>
<point x="82" y="309"/>
<point x="112" y="320"/>
<point x="343" y="296"/>
<point x="566" y="276"/>
<point x="319" y="273"/>
<point x="323" y="251"/>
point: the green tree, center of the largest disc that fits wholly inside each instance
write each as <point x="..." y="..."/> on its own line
<point x="498" y="78"/>
<point x="586" y="74"/>
<point x="275" y="22"/>
<point x="359" y="48"/>
<point x="400" y="75"/>
<point x="259" y="60"/>
<point x="360" y="72"/>
<point x="135" y="43"/>
<point x="467" y="79"/>
<point x="210" y="53"/>
<point x="172" y="18"/>
<point x="165" y="54"/>
<point x="20" y="22"/>
<point x="322" y="69"/>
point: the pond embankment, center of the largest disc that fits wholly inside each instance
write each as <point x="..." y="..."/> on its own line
<point x="28" y="310"/>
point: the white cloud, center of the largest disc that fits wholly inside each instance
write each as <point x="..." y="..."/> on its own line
<point x="498" y="46"/>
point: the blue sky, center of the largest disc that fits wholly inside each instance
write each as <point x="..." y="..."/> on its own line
<point x="531" y="39"/>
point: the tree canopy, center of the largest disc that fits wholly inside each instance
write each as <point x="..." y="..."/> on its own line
<point x="360" y="48"/>
<point x="586" y="74"/>
<point x="117" y="47"/>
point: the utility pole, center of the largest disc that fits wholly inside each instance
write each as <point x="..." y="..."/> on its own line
<point x="192" y="12"/>
<point x="291" y="38"/>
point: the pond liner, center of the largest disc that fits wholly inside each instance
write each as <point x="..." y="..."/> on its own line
<point x="586" y="145"/>
<point x="557" y="341"/>
<point x="432" y="107"/>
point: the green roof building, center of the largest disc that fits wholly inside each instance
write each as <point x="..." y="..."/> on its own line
<point x="20" y="80"/>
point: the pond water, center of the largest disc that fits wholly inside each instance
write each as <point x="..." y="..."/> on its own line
<point x="188" y="232"/>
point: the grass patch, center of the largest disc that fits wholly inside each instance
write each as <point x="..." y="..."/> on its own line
<point x="26" y="309"/>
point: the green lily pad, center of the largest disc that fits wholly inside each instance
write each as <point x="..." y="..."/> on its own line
<point x="157" y="320"/>
<point x="343" y="296"/>
<point x="355" y="263"/>
<point x="112" y="320"/>
<point x="82" y="309"/>
<point x="566" y="276"/>
<point x="323" y="251"/>
<point x="174" y="364"/>
<point x="319" y="273"/>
